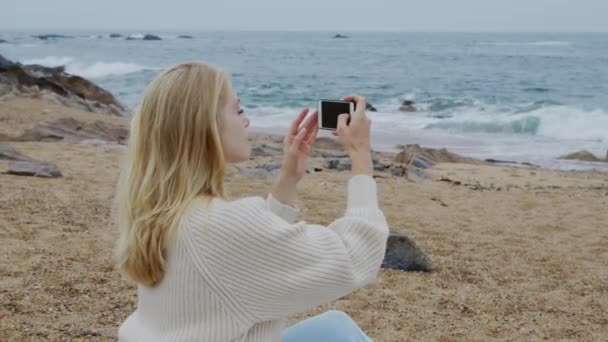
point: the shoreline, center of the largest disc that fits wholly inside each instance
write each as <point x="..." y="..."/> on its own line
<point x="389" y="143"/>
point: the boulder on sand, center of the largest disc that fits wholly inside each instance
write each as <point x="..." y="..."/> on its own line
<point x="583" y="155"/>
<point x="22" y="165"/>
<point x="33" y="168"/>
<point x="403" y="254"/>
<point x="424" y="158"/>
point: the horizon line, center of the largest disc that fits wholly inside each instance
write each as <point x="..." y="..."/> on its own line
<point x="142" y="30"/>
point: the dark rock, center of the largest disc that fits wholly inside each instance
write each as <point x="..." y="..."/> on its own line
<point x="5" y="63"/>
<point x="55" y="85"/>
<point x="265" y="150"/>
<point x="3" y="41"/>
<point x="343" y="164"/>
<point x="33" y="168"/>
<point x="397" y="171"/>
<point x="151" y="37"/>
<point x="144" y="37"/>
<point x="440" y="116"/>
<point x="407" y="106"/>
<point x="339" y="164"/>
<point x="496" y="161"/>
<point x="88" y="90"/>
<point x="318" y="169"/>
<point x="68" y="129"/>
<point x="184" y="36"/>
<point x="340" y="36"/>
<point x="371" y="108"/>
<point x="581" y="155"/>
<point x="115" y="35"/>
<point x="51" y="36"/>
<point x="271" y="167"/>
<point x="403" y="254"/>
<point x="379" y="166"/>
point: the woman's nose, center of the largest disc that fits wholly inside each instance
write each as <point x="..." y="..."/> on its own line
<point x="247" y="122"/>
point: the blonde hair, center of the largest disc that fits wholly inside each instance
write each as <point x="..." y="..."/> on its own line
<point x="175" y="155"/>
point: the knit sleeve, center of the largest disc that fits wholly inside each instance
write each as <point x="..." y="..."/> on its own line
<point x="270" y="268"/>
<point x="284" y="211"/>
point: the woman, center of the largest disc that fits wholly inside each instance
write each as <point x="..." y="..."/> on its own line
<point x="209" y="269"/>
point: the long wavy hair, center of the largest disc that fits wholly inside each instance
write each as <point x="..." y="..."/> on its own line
<point x="174" y="156"/>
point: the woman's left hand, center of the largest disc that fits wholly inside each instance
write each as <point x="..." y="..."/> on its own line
<point x="297" y="146"/>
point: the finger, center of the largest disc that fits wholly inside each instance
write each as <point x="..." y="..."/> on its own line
<point x="310" y="121"/>
<point x="305" y="147"/>
<point x="312" y="133"/>
<point x="355" y="98"/>
<point x="297" y="141"/>
<point x="295" y="125"/>
<point x="342" y="123"/>
<point x="360" y="101"/>
<point x="361" y="105"/>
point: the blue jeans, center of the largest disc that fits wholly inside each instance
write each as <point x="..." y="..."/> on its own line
<point x="331" y="326"/>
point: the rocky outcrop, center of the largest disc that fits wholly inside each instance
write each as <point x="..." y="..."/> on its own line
<point x="71" y="130"/>
<point x="140" y="36"/>
<point x="344" y="164"/>
<point x="51" y="36"/>
<point x="340" y="36"/>
<point x="57" y="86"/>
<point x="407" y="106"/>
<point x="115" y="35"/>
<point x="184" y="36"/>
<point x="3" y="41"/>
<point x="151" y="37"/>
<point x="33" y="168"/>
<point x="583" y="155"/>
<point x="22" y="165"/>
<point x="403" y="254"/>
<point x="424" y="158"/>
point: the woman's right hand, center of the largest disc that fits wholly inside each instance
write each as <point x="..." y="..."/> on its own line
<point x="355" y="136"/>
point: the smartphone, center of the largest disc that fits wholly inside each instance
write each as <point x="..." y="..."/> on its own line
<point x="329" y="110"/>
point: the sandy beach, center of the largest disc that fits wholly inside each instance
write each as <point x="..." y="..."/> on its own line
<point x="520" y="253"/>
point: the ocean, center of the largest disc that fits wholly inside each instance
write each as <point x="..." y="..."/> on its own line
<point x="526" y="97"/>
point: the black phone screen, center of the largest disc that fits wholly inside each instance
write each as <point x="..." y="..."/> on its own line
<point x="330" y="111"/>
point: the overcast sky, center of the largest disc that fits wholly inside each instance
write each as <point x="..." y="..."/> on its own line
<point x="327" y="15"/>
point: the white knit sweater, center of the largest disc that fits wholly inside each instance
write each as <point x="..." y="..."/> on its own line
<point x="238" y="269"/>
